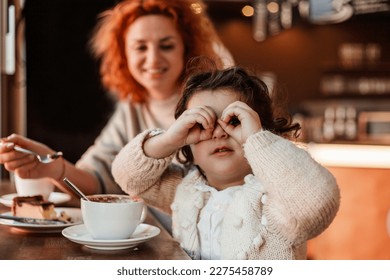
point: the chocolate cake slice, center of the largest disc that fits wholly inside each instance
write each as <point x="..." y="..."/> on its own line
<point x="33" y="207"/>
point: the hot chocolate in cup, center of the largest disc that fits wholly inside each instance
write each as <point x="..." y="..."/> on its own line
<point x="112" y="217"/>
<point x="31" y="187"/>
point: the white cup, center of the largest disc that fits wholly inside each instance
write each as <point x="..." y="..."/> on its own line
<point x="31" y="187"/>
<point x="112" y="217"/>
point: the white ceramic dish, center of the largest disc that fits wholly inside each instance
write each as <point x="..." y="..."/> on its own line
<point x="80" y="235"/>
<point x="55" y="197"/>
<point x="74" y="213"/>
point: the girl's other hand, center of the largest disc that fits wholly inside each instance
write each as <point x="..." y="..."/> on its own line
<point x="240" y="121"/>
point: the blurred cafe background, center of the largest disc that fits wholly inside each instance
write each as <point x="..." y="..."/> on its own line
<point x="329" y="58"/>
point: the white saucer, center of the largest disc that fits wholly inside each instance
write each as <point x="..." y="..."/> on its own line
<point x="74" y="213"/>
<point x="55" y="197"/>
<point x="80" y="235"/>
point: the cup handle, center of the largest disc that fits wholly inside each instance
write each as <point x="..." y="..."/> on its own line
<point x="144" y="214"/>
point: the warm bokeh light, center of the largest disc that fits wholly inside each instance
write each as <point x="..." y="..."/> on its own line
<point x="196" y="7"/>
<point x="248" y="11"/>
<point x="273" y="7"/>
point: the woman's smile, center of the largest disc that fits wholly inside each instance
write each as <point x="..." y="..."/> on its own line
<point x="156" y="73"/>
<point x="156" y="70"/>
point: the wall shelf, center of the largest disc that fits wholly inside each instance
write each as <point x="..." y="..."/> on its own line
<point x="372" y="80"/>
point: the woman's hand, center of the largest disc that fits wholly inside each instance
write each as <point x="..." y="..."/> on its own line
<point x="25" y="165"/>
<point x="240" y="121"/>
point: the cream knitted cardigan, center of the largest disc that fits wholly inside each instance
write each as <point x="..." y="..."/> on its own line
<point x="296" y="199"/>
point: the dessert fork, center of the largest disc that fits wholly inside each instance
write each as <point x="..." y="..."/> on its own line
<point x="42" y="158"/>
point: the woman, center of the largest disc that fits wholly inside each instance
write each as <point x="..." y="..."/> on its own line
<point x="143" y="47"/>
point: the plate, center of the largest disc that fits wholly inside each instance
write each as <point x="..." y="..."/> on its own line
<point x="74" y="213"/>
<point x="80" y="235"/>
<point x="55" y="197"/>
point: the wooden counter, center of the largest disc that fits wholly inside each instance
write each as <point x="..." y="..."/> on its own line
<point x="360" y="230"/>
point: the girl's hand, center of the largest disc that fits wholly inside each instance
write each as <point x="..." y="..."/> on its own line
<point x="194" y="125"/>
<point x="24" y="165"/>
<point x="240" y="121"/>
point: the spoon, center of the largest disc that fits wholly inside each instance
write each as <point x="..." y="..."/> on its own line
<point x="42" y="158"/>
<point x="75" y="189"/>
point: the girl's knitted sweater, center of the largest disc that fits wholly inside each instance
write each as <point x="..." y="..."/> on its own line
<point x="292" y="200"/>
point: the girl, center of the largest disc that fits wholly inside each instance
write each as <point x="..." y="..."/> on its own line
<point x="244" y="191"/>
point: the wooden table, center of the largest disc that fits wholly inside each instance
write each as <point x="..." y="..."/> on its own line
<point x="17" y="245"/>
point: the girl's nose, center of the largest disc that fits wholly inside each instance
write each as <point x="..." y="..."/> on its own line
<point x="219" y="132"/>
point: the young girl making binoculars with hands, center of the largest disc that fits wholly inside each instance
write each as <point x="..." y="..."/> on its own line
<point x="243" y="189"/>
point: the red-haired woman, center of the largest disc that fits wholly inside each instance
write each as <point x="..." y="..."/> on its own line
<point x="143" y="47"/>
